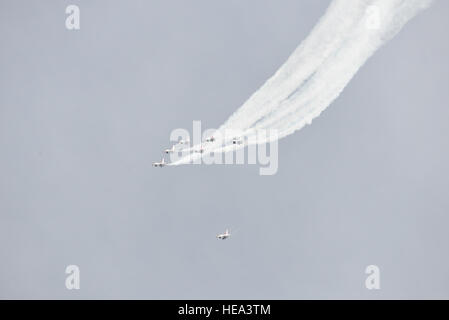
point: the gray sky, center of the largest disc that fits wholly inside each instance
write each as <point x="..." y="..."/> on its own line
<point x="84" y="113"/>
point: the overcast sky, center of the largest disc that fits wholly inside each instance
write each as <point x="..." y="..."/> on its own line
<point x="84" y="113"/>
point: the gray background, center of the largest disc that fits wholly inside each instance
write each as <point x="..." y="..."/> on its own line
<point x="84" y="113"/>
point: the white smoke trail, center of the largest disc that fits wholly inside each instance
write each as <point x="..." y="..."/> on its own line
<point x="320" y="68"/>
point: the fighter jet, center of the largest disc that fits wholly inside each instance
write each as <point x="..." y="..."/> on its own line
<point x="200" y="150"/>
<point x="171" y="150"/>
<point x="160" y="164"/>
<point x="224" y="236"/>
<point x="237" y="140"/>
<point x="183" y="141"/>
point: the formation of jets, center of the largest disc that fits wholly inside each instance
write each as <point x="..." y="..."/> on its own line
<point x="223" y="236"/>
<point x="162" y="163"/>
<point x="180" y="142"/>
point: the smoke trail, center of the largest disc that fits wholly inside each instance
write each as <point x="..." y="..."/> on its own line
<point x="320" y="68"/>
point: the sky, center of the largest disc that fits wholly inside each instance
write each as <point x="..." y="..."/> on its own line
<point x="84" y="113"/>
